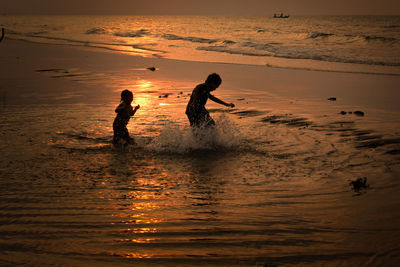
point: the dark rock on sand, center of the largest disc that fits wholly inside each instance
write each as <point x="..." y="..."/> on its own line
<point x="2" y="34"/>
<point x="332" y="99"/>
<point x="165" y="95"/>
<point x="359" y="113"/>
<point x="359" y="184"/>
<point x="152" y="68"/>
<point x="393" y="152"/>
<point x="343" y="112"/>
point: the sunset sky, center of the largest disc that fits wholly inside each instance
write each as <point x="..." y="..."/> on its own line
<point x="201" y="7"/>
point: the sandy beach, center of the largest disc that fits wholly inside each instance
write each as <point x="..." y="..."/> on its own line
<point x="271" y="188"/>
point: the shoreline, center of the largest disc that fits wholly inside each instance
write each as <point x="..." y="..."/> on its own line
<point x="24" y="60"/>
<point x="244" y="60"/>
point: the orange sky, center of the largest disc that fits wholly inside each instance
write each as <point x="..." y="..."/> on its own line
<point x="201" y="7"/>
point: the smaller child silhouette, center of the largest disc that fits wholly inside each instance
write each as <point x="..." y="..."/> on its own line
<point x="124" y="113"/>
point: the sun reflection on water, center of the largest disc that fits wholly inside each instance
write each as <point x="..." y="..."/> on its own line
<point x="137" y="240"/>
<point x="132" y="255"/>
<point x="144" y="84"/>
<point x="145" y="206"/>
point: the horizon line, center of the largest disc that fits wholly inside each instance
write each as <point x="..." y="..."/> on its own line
<point x="182" y="14"/>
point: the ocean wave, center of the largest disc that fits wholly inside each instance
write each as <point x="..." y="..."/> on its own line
<point x="315" y="35"/>
<point x="228" y="42"/>
<point x="119" y="47"/>
<point x="351" y="37"/>
<point x="329" y="58"/>
<point x="337" y="70"/>
<point x="189" y="38"/>
<point x="224" y="49"/>
<point x="305" y="53"/>
<point x="268" y="50"/>
<point x="380" y="39"/>
<point x="390" y="26"/>
<point x="39" y="32"/>
<point x="263" y="47"/>
<point x="139" y="33"/>
<point x="96" y="30"/>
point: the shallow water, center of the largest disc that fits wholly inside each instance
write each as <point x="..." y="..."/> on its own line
<point x="268" y="186"/>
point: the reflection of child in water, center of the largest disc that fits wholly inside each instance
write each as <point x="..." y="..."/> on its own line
<point x="195" y="110"/>
<point x="124" y="113"/>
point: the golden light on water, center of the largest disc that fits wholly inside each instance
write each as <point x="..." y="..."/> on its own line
<point x="150" y="94"/>
<point x="132" y="255"/>
<point x="142" y="230"/>
<point x="145" y="206"/>
<point x="138" y="240"/>
<point x="139" y="216"/>
<point x="144" y="84"/>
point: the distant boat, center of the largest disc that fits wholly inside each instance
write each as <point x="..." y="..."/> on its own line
<point x="280" y="16"/>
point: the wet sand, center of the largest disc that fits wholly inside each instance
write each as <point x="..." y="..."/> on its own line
<point x="103" y="69"/>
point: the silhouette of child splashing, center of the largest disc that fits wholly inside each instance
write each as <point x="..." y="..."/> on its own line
<point x="124" y="113"/>
<point x="196" y="112"/>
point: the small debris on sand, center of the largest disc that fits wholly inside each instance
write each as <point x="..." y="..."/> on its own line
<point x="359" y="184"/>
<point x="332" y="99"/>
<point x="359" y="113"/>
<point x="152" y="68"/>
<point x="165" y="95"/>
<point x="2" y="34"/>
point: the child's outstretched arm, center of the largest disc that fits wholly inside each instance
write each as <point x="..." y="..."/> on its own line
<point x="219" y="101"/>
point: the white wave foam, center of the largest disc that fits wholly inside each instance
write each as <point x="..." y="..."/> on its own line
<point x="174" y="139"/>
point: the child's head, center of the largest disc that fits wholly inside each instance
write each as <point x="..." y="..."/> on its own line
<point x="213" y="80"/>
<point x="126" y="96"/>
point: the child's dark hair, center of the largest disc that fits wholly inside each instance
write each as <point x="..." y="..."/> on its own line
<point x="125" y="95"/>
<point x="214" y="78"/>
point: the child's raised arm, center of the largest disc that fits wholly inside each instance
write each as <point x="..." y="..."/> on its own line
<point x="135" y="109"/>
